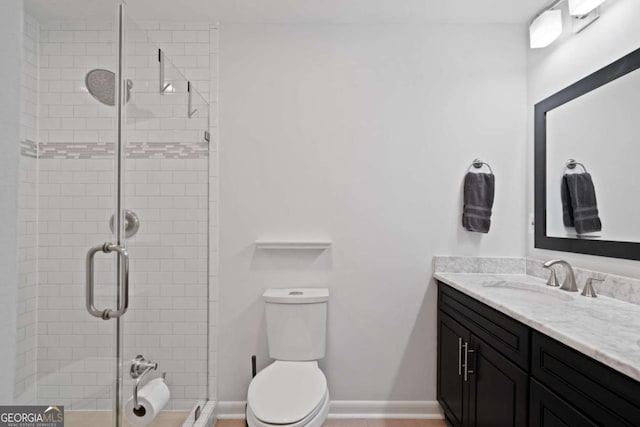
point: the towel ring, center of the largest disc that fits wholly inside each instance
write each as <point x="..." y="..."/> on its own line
<point x="572" y="163"/>
<point x="477" y="163"/>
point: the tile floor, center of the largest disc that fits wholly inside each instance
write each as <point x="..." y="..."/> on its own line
<point x="356" y="423"/>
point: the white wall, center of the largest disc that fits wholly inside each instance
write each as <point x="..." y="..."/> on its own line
<point x="10" y="52"/>
<point x="569" y="59"/>
<point x="362" y="134"/>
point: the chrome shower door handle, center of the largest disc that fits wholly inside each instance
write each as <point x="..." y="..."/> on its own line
<point x="107" y="314"/>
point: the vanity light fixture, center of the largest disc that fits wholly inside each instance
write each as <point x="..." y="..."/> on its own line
<point x="583" y="7"/>
<point x="545" y="28"/>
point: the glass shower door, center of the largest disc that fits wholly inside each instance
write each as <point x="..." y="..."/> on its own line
<point x="166" y="188"/>
<point x="101" y="89"/>
<point x="122" y="224"/>
<point x="75" y="358"/>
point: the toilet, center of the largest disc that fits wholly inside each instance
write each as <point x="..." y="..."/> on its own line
<point x="292" y="391"/>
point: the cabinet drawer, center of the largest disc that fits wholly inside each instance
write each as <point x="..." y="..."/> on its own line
<point x="548" y="410"/>
<point x="604" y="395"/>
<point x="508" y="336"/>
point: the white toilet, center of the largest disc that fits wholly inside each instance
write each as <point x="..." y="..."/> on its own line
<point x="292" y="391"/>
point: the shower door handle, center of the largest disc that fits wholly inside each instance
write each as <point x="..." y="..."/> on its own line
<point x="107" y="314"/>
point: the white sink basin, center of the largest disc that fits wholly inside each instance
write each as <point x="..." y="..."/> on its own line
<point x="528" y="292"/>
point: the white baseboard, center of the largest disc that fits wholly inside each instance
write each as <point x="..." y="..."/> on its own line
<point x="422" y="409"/>
<point x="231" y="410"/>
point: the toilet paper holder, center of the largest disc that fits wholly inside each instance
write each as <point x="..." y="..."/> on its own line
<point x="140" y="367"/>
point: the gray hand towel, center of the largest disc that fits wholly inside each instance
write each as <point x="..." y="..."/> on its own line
<point x="567" y="209"/>
<point x="479" y="190"/>
<point x="583" y="203"/>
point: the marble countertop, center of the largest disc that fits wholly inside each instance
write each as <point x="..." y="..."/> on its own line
<point x="606" y="329"/>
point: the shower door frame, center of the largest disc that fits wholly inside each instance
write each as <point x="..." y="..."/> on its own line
<point x="122" y="258"/>
<point x="121" y="263"/>
<point x="119" y="211"/>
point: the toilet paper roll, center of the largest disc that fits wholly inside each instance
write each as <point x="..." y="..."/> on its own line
<point x="152" y="397"/>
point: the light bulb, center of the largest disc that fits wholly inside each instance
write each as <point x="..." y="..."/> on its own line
<point x="583" y="7"/>
<point x="545" y="29"/>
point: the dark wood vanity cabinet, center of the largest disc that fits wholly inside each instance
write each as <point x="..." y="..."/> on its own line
<point x="600" y="394"/>
<point x="452" y="389"/>
<point x="547" y="409"/>
<point x="477" y="385"/>
<point x="494" y="371"/>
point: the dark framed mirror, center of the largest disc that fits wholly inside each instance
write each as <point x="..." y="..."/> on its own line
<point x="595" y="121"/>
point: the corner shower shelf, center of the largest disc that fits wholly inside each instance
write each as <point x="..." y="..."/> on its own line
<point x="293" y="244"/>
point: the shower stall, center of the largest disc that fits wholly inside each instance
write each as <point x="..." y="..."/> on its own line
<point x="116" y="231"/>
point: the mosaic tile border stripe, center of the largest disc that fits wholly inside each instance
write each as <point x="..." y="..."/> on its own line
<point x="29" y="148"/>
<point x="105" y="150"/>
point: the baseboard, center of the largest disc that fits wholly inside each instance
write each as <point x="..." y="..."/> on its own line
<point x="385" y="409"/>
<point x="231" y="410"/>
<point x="356" y="409"/>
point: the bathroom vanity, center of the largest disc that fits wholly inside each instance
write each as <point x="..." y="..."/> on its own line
<point x="514" y="352"/>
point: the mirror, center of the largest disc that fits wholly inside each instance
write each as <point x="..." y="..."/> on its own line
<point x="595" y="121"/>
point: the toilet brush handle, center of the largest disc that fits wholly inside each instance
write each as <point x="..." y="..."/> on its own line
<point x="253" y="366"/>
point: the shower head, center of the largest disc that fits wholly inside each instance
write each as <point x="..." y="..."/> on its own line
<point x="101" y="85"/>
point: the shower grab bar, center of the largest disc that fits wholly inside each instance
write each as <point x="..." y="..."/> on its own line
<point x="163" y="86"/>
<point x="107" y="314"/>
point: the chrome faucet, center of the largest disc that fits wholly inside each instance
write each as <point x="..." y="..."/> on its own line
<point x="569" y="283"/>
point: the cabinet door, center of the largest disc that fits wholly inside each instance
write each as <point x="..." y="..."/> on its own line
<point x="498" y="389"/>
<point x="602" y="394"/>
<point x="452" y="391"/>
<point x="548" y="410"/>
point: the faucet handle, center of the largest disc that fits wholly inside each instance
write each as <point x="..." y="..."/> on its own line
<point x="553" y="279"/>
<point x="589" y="290"/>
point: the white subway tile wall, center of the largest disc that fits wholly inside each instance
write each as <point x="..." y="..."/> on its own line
<point x="29" y="124"/>
<point x="168" y="320"/>
<point x="24" y="390"/>
<point x="170" y="182"/>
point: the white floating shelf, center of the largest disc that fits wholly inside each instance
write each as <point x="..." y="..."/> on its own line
<point x="298" y="244"/>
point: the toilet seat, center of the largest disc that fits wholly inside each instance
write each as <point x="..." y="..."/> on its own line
<point x="314" y="419"/>
<point x="287" y="393"/>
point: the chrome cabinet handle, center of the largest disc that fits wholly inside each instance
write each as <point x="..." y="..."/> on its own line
<point x="459" y="356"/>
<point x="467" y="371"/>
<point x="107" y="314"/>
<point x="465" y="346"/>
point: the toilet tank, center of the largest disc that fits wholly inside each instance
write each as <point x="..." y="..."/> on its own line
<point x="296" y="323"/>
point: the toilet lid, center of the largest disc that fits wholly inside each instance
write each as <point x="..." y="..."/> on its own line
<point x="286" y="392"/>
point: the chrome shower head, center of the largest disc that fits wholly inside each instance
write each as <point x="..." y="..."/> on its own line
<point x="101" y="85"/>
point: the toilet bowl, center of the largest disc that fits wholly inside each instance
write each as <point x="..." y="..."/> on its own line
<point x="292" y="391"/>
<point x="292" y="394"/>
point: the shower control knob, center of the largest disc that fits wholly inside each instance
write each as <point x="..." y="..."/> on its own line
<point x="131" y="223"/>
